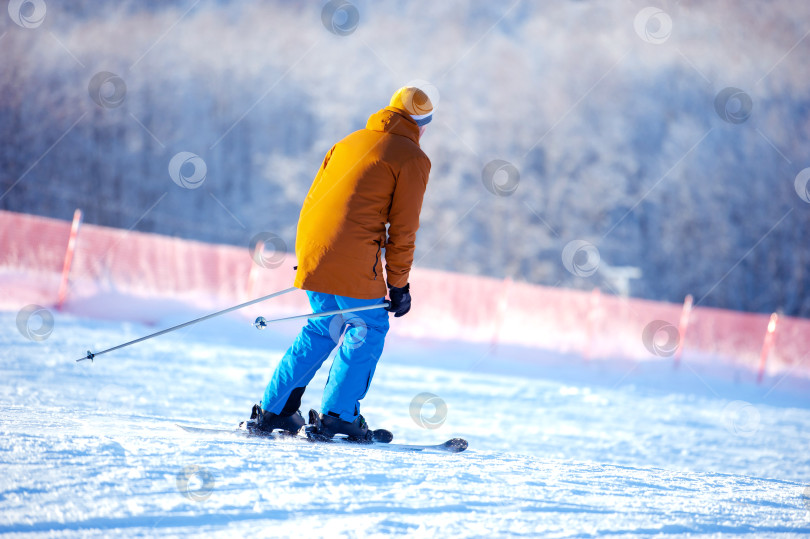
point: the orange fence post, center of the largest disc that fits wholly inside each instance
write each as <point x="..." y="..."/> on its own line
<point x="503" y="302"/>
<point x="254" y="268"/>
<point x="767" y="345"/>
<point x="682" y="327"/>
<point x="71" y="248"/>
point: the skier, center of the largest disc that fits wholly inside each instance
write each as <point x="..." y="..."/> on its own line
<point x="372" y="178"/>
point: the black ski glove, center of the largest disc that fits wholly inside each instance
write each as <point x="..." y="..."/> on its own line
<point x="400" y="300"/>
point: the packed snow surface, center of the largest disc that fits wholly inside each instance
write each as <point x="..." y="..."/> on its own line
<point x="559" y="447"/>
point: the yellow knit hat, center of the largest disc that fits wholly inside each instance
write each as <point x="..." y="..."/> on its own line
<point x="415" y="102"/>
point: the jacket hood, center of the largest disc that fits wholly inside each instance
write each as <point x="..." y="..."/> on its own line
<point x="395" y="121"/>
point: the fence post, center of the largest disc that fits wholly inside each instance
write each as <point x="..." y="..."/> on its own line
<point x="767" y="344"/>
<point x="683" y="326"/>
<point x="71" y="248"/>
<point x="503" y="302"/>
<point x="254" y="268"/>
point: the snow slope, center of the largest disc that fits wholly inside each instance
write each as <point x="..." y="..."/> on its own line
<point x="558" y="447"/>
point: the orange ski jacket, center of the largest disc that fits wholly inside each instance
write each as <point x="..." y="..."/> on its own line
<point x="373" y="177"/>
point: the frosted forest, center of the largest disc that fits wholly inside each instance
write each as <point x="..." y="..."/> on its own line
<point x="616" y="131"/>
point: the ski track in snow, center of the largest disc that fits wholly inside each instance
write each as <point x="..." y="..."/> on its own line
<point x="586" y="449"/>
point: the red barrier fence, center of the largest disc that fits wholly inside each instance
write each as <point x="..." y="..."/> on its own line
<point x="36" y="255"/>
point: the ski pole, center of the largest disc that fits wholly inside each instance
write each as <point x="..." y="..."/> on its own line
<point x="90" y="355"/>
<point x="261" y="322"/>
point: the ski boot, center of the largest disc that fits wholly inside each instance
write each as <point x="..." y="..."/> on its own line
<point x="262" y="423"/>
<point x="322" y="427"/>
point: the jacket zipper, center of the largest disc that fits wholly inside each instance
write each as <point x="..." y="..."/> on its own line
<point x="376" y="259"/>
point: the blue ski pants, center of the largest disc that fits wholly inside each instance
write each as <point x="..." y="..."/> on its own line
<point x="352" y="368"/>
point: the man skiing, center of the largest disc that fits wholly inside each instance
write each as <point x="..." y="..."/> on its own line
<point x="372" y="178"/>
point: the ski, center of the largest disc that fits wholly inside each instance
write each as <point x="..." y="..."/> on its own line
<point x="454" y="445"/>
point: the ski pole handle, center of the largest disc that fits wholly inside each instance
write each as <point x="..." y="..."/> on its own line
<point x="261" y="322"/>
